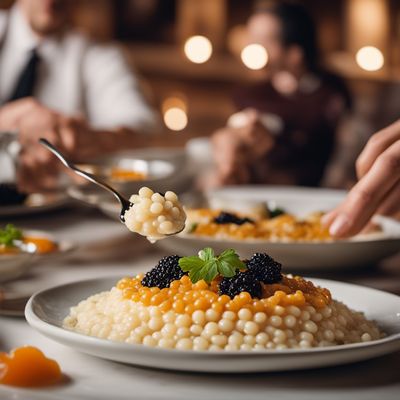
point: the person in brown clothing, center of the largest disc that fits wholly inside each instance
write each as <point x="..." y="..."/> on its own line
<point x="285" y="130"/>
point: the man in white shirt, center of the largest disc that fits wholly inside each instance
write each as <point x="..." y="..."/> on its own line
<point x="55" y="83"/>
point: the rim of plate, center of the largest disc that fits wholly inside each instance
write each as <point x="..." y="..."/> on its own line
<point x="252" y="192"/>
<point x="286" y="242"/>
<point x="58" y="200"/>
<point x="35" y="321"/>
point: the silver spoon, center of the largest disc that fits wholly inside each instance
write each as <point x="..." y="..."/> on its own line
<point x="125" y="203"/>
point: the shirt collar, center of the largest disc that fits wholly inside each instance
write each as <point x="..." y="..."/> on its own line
<point x="19" y="32"/>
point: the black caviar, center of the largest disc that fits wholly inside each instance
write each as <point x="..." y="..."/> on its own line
<point x="265" y="268"/>
<point x="166" y="271"/>
<point x="243" y="281"/>
<point x="229" y="218"/>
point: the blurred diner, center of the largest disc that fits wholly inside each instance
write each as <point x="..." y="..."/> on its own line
<point x="286" y="127"/>
<point x="58" y="84"/>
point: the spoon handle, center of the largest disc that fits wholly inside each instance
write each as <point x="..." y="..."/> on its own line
<point x="124" y="202"/>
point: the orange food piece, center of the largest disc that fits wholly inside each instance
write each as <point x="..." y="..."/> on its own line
<point x="28" y="367"/>
<point x="122" y="174"/>
<point x="42" y="244"/>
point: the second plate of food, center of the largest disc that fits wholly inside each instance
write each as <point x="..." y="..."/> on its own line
<point x="19" y="249"/>
<point x="285" y="222"/>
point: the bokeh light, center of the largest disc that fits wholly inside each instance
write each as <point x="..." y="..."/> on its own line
<point x="175" y="100"/>
<point x="370" y="58"/>
<point x="198" y="49"/>
<point x="175" y="114"/>
<point x="254" y="56"/>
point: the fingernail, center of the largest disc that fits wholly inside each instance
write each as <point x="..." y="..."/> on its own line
<point x="340" y="225"/>
<point x="325" y="218"/>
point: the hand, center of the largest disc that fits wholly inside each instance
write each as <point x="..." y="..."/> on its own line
<point x="37" y="168"/>
<point x="72" y="135"/>
<point x="378" y="188"/>
<point x="235" y="149"/>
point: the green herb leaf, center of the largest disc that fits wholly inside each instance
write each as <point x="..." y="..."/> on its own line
<point x="196" y="275"/>
<point x="226" y="269"/>
<point x="232" y="258"/>
<point x="207" y="254"/>
<point x="207" y="266"/>
<point x="276" y="212"/>
<point x="210" y="271"/>
<point x="188" y="263"/>
<point x="9" y="234"/>
<point x="193" y="227"/>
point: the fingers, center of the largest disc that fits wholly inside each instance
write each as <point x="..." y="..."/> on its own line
<point x="378" y="143"/>
<point x="68" y="135"/>
<point x="11" y="113"/>
<point x="375" y="188"/>
<point x="230" y="154"/>
<point x="34" y="175"/>
<point x="391" y="204"/>
<point x="77" y="137"/>
<point x="252" y="115"/>
<point x="329" y="217"/>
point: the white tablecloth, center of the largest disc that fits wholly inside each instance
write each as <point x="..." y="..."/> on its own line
<point x="108" y="249"/>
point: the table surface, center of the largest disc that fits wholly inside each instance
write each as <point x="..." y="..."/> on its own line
<point x="107" y="249"/>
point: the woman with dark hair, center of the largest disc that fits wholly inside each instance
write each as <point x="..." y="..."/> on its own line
<point x="285" y="131"/>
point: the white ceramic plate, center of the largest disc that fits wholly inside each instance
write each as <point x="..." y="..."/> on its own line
<point x="46" y="310"/>
<point x="36" y="203"/>
<point x="168" y="170"/>
<point x="13" y="266"/>
<point x="356" y="252"/>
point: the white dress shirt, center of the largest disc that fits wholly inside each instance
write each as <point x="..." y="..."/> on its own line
<point x="76" y="76"/>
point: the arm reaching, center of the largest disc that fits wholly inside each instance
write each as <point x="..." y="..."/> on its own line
<point x="378" y="188"/>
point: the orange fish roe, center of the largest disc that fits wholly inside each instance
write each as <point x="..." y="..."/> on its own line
<point x="28" y="367"/>
<point x="183" y="296"/>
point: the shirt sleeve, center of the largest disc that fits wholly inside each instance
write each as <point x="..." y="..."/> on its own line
<point x="112" y="92"/>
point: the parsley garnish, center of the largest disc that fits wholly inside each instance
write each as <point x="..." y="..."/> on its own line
<point x="207" y="266"/>
<point x="9" y="234"/>
<point x="276" y="212"/>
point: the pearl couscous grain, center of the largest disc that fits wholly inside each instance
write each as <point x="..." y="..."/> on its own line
<point x="189" y="316"/>
<point x="154" y="215"/>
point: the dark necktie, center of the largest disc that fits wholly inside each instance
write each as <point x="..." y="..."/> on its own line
<point x="26" y="81"/>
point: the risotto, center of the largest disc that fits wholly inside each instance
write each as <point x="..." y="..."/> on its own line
<point x="256" y="308"/>
<point x="279" y="228"/>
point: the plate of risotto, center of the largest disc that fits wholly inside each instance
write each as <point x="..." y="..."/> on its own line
<point x="286" y="222"/>
<point x="215" y="312"/>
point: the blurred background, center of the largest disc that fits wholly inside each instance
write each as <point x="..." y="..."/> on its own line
<point x="191" y="55"/>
